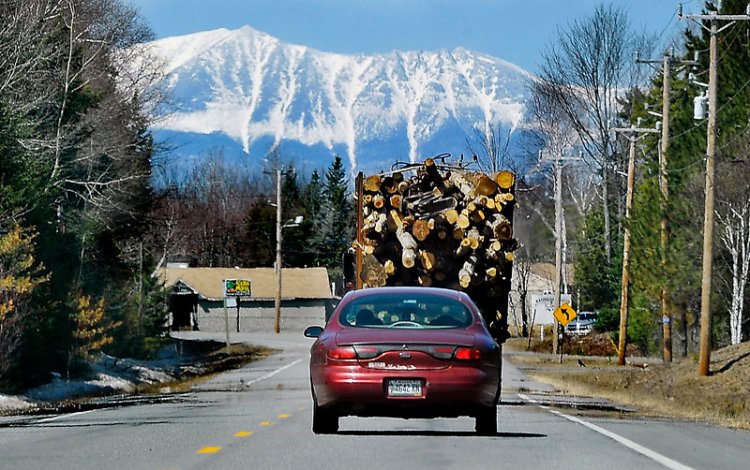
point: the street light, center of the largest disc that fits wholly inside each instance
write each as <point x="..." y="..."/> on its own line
<point x="279" y="226"/>
<point x="289" y="223"/>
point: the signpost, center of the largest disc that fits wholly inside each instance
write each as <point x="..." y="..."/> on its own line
<point x="234" y="290"/>
<point x="564" y="314"/>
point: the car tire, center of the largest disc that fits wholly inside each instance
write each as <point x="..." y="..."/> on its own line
<point x="485" y="423"/>
<point x="324" y="421"/>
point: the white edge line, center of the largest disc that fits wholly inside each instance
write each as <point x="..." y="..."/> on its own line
<point x="655" y="456"/>
<point x="69" y="415"/>
<point x="272" y="373"/>
<point x="267" y="376"/>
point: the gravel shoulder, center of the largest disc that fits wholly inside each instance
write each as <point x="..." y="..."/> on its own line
<point x="653" y="388"/>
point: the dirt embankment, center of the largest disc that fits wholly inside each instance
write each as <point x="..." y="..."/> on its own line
<point x="651" y="386"/>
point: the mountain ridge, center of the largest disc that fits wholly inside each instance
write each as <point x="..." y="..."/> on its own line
<point x="262" y="92"/>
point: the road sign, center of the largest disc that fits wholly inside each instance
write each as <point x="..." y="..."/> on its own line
<point x="237" y="288"/>
<point x="565" y="314"/>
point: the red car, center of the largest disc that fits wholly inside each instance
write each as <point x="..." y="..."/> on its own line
<point x="411" y="352"/>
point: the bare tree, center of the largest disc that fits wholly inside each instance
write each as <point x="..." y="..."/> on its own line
<point x="583" y="73"/>
<point x="68" y="68"/>
<point x="521" y="275"/>
<point x="733" y="216"/>
<point x="491" y="146"/>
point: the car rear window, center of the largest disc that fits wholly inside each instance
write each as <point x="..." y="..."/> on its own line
<point x="406" y="311"/>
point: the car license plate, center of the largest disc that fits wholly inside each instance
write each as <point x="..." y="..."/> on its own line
<point x="404" y="388"/>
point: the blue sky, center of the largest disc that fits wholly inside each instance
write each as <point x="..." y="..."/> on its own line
<point x="514" y="30"/>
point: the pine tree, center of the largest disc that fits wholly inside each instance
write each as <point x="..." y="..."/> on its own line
<point x="337" y="214"/>
<point x="686" y="174"/>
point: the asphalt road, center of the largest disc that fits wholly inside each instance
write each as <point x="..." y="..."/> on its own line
<point x="259" y="417"/>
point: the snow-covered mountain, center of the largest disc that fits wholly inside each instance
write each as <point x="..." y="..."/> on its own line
<point x="249" y="93"/>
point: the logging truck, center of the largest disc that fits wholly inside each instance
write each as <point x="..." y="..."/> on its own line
<point x="433" y="224"/>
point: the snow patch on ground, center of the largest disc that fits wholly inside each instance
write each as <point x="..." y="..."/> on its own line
<point x="108" y="376"/>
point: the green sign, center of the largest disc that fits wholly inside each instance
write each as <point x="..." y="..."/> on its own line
<point x="237" y="288"/>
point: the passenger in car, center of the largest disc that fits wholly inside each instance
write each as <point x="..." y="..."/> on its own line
<point x="365" y="317"/>
<point x="445" y="320"/>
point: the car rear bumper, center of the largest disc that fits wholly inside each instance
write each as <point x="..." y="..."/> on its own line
<point x="454" y="391"/>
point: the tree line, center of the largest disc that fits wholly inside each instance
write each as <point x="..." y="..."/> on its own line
<point x="83" y="223"/>
<point x="588" y="84"/>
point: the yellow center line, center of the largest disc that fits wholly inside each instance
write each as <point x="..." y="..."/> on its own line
<point x="266" y="423"/>
<point x="209" y="450"/>
<point x="243" y="434"/>
<point x="283" y="416"/>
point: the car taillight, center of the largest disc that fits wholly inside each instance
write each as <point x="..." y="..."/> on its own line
<point x="344" y="352"/>
<point x="443" y="352"/>
<point x="468" y="354"/>
<point x="367" y="352"/>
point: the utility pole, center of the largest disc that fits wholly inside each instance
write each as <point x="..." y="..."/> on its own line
<point x="713" y="19"/>
<point x="559" y="282"/>
<point x="277" y="300"/>
<point x="557" y="335"/>
<point x="632" y="133"/>
<point x="666" y="313"/>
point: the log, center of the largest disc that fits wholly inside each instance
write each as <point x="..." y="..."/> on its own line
<point x="381" y="223"/>
<point x="503" y="199"/>
<point x="424" y="280"/>
<point x="505" y="180"/>
<point x="451" y="216"/>
<point x="485" y="186"/>
<point x="378" y="201"/>
<point x="434" y="176"/>
<point x="389" y="185"/>
<point x="466" y="274"/>
<point x="428" y="260"/>
<point x="501" y="227"/>
<point x="372" y="183"/>
<point x="464" y="247"/>
<point x="389" y="267"/>
<point x="475" y="239"/>
<point x="409" y="247"/>
<point x="463" y="221"/>
<point x="478" y="216"/>
<point x="465" y="187"/>
<point x="420" y="229"/>
<point x="373" y="274"/>
<point x="396" y="217"/>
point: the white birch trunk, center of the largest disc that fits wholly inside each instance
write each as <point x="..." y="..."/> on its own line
<point x="736" y="239"/>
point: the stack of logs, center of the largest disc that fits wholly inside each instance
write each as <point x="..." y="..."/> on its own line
<point x="440" y="227"/>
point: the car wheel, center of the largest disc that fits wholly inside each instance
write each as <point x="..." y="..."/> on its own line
<point x="324" y="421"/>
<point x="486" y="421"/>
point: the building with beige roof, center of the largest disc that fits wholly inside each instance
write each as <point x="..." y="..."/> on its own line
<point x="197" y="297"/>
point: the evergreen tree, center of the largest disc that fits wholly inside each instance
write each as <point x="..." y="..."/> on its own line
<point x="337" y="218"/>
<point x="686" y="175"/>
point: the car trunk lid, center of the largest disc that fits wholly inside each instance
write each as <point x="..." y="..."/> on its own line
<point x="405" y="350"/>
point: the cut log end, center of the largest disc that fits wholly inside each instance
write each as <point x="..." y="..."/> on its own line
<point x="505" y="179"/>
<point x="420" y="229"/>
<point x="372" y="183"/>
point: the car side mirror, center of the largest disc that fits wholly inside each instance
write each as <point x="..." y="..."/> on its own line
<point x="313" y="331"/>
